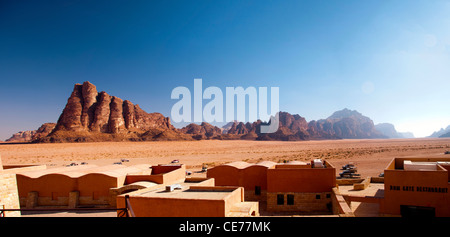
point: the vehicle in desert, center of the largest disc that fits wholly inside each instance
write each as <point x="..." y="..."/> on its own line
<point x="348" y="174"/>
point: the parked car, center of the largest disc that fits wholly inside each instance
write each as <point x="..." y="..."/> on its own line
<point x="348" y="174"/>
<point x="175" y="161"/>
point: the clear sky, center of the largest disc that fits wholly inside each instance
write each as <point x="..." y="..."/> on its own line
<point x="389" y="60"/>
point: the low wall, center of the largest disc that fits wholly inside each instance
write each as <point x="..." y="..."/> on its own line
<point x="340" y="206"/>
<point x="9" y="197"/>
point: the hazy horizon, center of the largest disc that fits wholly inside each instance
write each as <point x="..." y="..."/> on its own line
<point x="387" y="59"/>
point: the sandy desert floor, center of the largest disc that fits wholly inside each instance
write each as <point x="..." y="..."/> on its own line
<point x="370" y="156"/>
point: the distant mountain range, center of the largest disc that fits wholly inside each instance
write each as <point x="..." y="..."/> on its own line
<point x="91" y="116"/>
<point x="389" y="131"/>
<point x="442" y="132"/>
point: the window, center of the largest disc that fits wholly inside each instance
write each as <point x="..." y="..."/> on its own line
<point x="290" y="199"/>
<point x="280" y="199"/>
<point x="328" y="195"/>
<point x="318" y="196"/>
<point x="258" y="190"/>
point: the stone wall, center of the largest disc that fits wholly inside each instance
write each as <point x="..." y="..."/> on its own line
<point x="302" y="202"/>
<point x="9" y="196"/>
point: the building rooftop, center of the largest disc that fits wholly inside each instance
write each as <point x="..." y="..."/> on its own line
<point x="186" y="191"/>
<point x="80" y="170"/>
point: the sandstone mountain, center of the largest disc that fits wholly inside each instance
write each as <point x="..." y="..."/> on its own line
<point x="22" y="136"/>
<point x="344" y="124"/>
<point x="445" y="135"/>
<point x="93" y="116"/>
<point x="441" y="132"/>
<point x="202" y="131"/>
<point x="389" y="131"/>
<point x="27" y="136"/>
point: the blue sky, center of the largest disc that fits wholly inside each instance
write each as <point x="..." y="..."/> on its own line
<point x="390" y="60"/>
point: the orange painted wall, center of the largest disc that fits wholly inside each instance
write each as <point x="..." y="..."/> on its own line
<point x="60" y="185"/>
<point x="160" y="175"/>
<point x="301" y="180"/>
<point x="254" y="176"/>
<point x="225" y="176"/>
<point x="160" y="169"/>
<point x="45" y="185"/>
<point x="411" y="196"/>
<point x="172" y="207"/>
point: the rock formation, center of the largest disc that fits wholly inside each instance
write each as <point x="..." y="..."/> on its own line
<point x="28" y="136"/>
<point x="345" y="124"/>
<point x="93" y="116"/>
<point x="90" y="115"/>
<point x="441" y="132"/>
<point x="202" y="131"/>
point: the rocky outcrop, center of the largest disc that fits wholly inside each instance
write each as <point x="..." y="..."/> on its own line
<point x="28" y="136"/>
<point x="350" y="124"/>
<point x="92" y="116"/>
<point x="202" y="131"/>
<point x="445" y="135"/>
<point x="22" y="136"/>
<point x="345" y="124"/>
<point x="441" y="132"/>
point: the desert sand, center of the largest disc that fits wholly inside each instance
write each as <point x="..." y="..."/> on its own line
<point x="371" y="156"/>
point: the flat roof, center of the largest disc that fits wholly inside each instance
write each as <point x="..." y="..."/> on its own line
<point x="80" y="170"/>
<point x="185" y="192"/>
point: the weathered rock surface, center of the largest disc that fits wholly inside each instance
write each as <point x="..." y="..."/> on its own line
<point x="202" y="131"/>
<point x="28" y="136"/>
<point x="93" y="116"/>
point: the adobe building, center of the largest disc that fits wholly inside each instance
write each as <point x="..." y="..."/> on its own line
<point x="294" y="186"/>
<point x="301" y="187"/>
<point x="188" y="199"/>
<point x="9" y="196"/>
<point x="81" y="185"/>
<point x="252" y="177"/>
<point x="417" y="186"/>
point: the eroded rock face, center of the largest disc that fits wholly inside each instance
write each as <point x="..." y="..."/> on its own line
<point x="91" y="116"/>
<point x="101" y="113"/>
<point x="202" y="131"/>
<point x="28" y="136"/>
<point x="89" y="111"/>
<point x="70" y="118"/>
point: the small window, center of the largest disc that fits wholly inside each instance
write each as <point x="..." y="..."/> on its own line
<point x="257" y="190"/>
<point x="328" y="195"/>
<point x="280" y="199"/>
<point x="290" y="199"/>
<point x="318" y="196"/>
